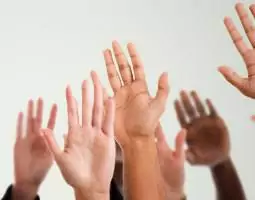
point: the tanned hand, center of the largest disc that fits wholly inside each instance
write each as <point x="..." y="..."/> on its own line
<point x="137" y="117"/>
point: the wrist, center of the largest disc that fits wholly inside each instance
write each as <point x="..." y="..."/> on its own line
<point x="176" y="194"/>
<point x="139" y="143"/>
<point x="223" y="164"/>
<point x="24" y="191"/>
<point x="82" y="194"/>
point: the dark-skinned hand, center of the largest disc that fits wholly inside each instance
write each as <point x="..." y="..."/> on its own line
<point x="207" y="135"/>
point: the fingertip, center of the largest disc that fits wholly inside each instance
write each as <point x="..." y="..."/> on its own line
<point x="252" y="7"/>
<point x="238" y="5"/>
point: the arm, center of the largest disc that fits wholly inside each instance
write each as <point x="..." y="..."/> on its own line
<point x="13" y="193"/>
<point x="141" y="170"/>
<point x="226" y="179"/>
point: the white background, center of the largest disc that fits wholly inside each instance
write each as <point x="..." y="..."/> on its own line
<point x="45" y="45"/>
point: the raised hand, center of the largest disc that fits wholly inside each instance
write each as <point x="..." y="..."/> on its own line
<point x="137" y="114"/>
<point x="244" y="85"/>
<point x="207" y="135"/>
<point x="87" y="162"/>
<point x="172" y="164"/>
<point x="32" y="159"/>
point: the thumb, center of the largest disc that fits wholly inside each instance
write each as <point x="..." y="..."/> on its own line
<point x="51" y="142"/>
<point x="179" y="143"/>
<point x="159" y="101"/>
<point x="190" y="157"/>
<point x="232" y="77"/>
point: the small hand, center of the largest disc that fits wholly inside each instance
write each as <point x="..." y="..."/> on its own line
<point x="172" y="164"/>
<point x="207" y="135"/>
<point x="137" y="114"/>
<point x="244" y="85"/>
<point x="32" y="159"/>
<point x="87" y="162"/>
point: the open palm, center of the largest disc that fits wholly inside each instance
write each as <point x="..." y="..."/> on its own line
<point x="244" y="85"/>
<point x="136" y="112"/>
<point x="87" y="162"/>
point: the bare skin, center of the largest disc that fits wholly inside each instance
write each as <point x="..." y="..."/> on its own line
<point x="137" y="117"/>
<point x="87" y="162"/>
<point x="32" y="159"/>
<point x="208" y="144"/>
<point x="245" y="85"/>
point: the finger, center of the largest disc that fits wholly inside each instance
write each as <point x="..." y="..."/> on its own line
<point x="39" y="114"/>
<point x="112" y="73"/>
<point x="161" y="141"/>
<point x="52" y="118"/>
<point x="98" y="108"/>
<point x="159" y="102"/>
<point x="190" y="157"/>
<point x="180" y="114"/>
<point x="65" y="136"/>
<point x="198" y="103"/>
<point x="236" y="36"/>
<point x="51" y="142"/>
<point x="187" y="105"/>
<point x="232" y="77"/>
<point x="136" y="62"/>
<point x="252" y="9"/>
<point x="179" y="143"/>
<point x="160" y="135"/>
<point x="124" y="67"/>
<point x="86" y="105"/>
<point x="30" y="117"/>
<point x="211" y="108"/>
<point x="108" y="126"/>
<point x="19" y="127"/>
<point x="105" y="95"/>
<point x="246" y="22"/>
<point x="71" y="109"/>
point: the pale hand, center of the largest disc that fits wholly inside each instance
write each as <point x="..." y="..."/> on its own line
<point x="32" y="159"/>
<point x="244" y="85"/>
<point x="172" y="164"/>
<point x="87" y="162"/>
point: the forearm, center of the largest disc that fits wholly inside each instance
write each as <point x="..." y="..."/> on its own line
<point x="227" y="182"/>
<point x="24" y="192"/>
<point x="141" y="170"/>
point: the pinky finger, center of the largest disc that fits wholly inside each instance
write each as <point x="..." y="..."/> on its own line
<point x="108" y="125"/>
<point x="51" y="142"/>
